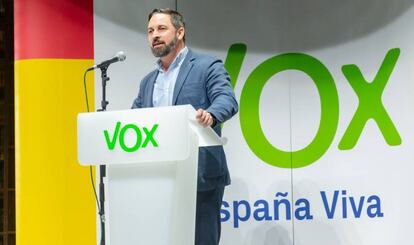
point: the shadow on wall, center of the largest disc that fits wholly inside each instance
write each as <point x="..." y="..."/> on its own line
<point x="263" y="233"/>
<point x="271" y="235"/>
<point x="267" y="25"/>
<point x="320" y="230"/>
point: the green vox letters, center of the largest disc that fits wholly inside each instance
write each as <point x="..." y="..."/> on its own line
<point x="369" y="94"/>
<point x="141" y="140"/>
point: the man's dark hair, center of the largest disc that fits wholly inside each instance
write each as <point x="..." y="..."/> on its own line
<point x="176" y="18"/>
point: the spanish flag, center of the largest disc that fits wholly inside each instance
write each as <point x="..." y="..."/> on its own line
<point x="53" y="47"/>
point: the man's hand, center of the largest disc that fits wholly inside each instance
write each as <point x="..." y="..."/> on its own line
<point x="204" y="118"/>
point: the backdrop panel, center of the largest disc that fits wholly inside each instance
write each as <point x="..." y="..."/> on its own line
<point x="328" y="159"/>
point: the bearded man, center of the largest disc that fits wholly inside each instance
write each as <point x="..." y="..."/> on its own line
<point x="185" y="77"/>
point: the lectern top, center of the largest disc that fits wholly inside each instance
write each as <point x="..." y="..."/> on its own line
<point x="141" y="135"/>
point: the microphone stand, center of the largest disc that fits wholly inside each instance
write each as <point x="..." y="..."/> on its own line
<point x="102" y="168"/>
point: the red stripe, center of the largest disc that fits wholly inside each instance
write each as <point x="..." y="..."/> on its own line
<point x="53" y="29"/>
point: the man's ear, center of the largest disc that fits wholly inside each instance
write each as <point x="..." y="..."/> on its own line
<point x="180" y="33"/>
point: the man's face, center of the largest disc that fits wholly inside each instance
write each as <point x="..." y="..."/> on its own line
<point x="162" y="35"/>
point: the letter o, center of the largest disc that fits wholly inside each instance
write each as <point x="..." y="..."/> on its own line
<point x="249" y="110"/>
<point x="122" y="139"/>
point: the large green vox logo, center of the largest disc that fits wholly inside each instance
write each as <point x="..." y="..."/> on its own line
<point x="369" y="95"/>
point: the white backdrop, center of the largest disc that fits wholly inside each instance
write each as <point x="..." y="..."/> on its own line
<point x="371" y="179"/>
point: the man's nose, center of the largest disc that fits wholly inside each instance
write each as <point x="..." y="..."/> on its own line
<point x="155" y="38"/>
<point x="155" y="34"/>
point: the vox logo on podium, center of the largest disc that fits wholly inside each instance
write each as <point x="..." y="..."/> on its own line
<point x="142" y="139"/>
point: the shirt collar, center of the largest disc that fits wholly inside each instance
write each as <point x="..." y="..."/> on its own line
<point x="176" y="62"/>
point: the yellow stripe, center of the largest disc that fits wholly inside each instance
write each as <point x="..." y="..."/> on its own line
<point x="54" y="197"/>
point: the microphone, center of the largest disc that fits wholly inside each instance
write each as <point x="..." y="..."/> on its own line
<point x="120" y="56"/>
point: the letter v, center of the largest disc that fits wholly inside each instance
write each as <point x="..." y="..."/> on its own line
<point x="234" y="61"/>
<point x="109" y="142"/>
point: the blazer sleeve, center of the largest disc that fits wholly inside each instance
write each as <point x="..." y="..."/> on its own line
<point x="220" y="93"/>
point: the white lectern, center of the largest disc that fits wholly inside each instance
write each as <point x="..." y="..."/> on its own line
<point x="151" y="156"/>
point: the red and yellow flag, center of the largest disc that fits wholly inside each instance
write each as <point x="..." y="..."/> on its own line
<point x="53" y="47"/>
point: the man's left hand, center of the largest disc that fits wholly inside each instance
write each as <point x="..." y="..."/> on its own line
<point x="204" y="118"/>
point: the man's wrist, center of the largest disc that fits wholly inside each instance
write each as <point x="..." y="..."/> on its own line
<point x="214" y="120"/>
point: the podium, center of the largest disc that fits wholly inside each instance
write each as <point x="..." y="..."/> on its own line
<point x="151" y="156"/>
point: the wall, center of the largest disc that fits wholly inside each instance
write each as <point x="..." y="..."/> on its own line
<point x="329" y="136"/>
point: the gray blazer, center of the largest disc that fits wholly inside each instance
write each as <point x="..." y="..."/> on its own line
<point x="204" y="83"/>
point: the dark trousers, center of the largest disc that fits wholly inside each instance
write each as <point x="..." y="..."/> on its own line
<point x="208" y="226"/>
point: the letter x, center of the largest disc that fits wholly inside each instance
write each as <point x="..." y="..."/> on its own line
<point x="150" y="136"/>
<point x="370" y="103"/>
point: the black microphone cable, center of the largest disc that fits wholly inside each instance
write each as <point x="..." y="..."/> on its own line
<point x="90" y="167"/>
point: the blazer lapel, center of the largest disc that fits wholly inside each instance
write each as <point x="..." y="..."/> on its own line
<point x="150" y="89"/>
<point x="182" y="75"/>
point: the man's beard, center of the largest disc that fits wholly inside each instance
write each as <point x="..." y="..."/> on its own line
<point x="164" y="51"/>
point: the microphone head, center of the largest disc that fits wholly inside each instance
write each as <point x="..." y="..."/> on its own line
<point x="121" y="56"/>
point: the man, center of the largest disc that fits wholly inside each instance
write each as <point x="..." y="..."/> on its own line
<point x="184" y="77"/>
